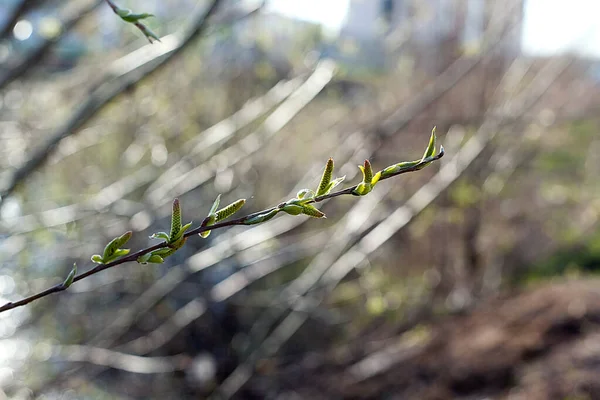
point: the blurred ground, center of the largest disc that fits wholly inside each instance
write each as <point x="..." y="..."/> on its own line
<point x="542" y="343"/>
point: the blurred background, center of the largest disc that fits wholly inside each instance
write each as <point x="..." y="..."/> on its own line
<point x="471" y="279"/>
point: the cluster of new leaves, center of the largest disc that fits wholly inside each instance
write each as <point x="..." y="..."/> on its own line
<point x="174" y="239"/>
<point x="369" y="180"/>
<point x="136" y="19"/>
<point x="113" y="249"/>
<point x="301" y="204"/>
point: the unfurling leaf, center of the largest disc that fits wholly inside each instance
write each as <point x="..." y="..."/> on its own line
<point x="430" y="151"/>
<point x="215" y="205"/>
<point x="305" y="193"/>
<point x="334" y="183"/>
<point x="366" y="185"/>
<point x="97" y="258"/>
<point x="231" y="209"/>
<point x="362" y="189"/>
<point x="160" y="235"/>
<point x="156" y="259"/>
<point x="376" y="179"/>
<point x="69" y="281"/>
<point x="257" y="219"/>
<point x="326" y="178"/>
<point x="150" y="258"/>
<point x="114" y="245"/>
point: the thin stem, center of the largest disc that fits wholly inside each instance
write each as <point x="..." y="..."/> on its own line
<point x="238" y="221"/>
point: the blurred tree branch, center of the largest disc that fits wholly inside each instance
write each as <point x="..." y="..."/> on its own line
<point x="21" y="8"/>
<point x="34" y="56"/>
<point x="106" y="92"/>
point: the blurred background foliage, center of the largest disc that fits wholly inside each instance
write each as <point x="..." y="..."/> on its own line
<point x="252" y="107"/>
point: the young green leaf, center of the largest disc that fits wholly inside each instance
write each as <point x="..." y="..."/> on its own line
<point x="376" y="179"/>
<point x="69" y="281"/>
<point x="430" y="151"/>
<point x="114" y="245"/>
<point x="97" y="258"/>
<point x="131" y="17"/>
<point x="160" y="235"/>
<point x="150" y="258"/>
<point x="326" y="178"/>
<point x="180" y="233"/>
<point x="156" y="259"/>
<point x="366" y="185"/>
<point x="367" y="171"/>
<point x="292" y="209"/>
<point x="305" y="194"/>
<point x="215" y="205"/>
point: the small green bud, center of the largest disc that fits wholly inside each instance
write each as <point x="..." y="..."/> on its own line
<point x="257" y="219"/>
<point x="292" y="209"/>
<point x="150" y="258"/>
<point x="208" y="221"/>
<point x="362" y="189"/>
<point x="69" y="281"/>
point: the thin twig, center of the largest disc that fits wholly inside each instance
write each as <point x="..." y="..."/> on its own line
<point x="238" y="221"/>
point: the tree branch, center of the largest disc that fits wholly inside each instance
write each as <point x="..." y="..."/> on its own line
<point x="106" y="92"/>
<point x="238" y="221"/>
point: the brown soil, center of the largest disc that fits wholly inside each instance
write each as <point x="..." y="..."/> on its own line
<point x="541" y="344"/>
